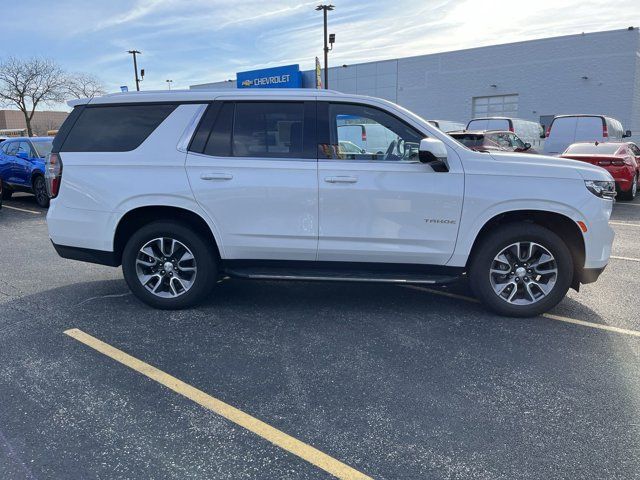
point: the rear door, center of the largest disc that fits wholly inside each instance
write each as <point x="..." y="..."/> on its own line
<point x="383" y="207"/>
<point x="252" y="166"/>
<point x="562" y="134"/>
<point x="590" y="129"/>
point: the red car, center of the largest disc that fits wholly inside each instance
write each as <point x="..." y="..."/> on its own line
<point x="620" y="159"/>
<point x="492" y="141"/>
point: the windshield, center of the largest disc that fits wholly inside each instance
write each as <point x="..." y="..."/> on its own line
<point x="593" y="149"/>
<point x="43" y="147"/>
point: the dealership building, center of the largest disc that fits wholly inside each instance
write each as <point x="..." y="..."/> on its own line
<point x="535" y="80"/>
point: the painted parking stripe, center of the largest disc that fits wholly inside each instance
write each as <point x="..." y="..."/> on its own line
<point x="620" y="204"/>
<point x="559" y="318"/>
<point x="22" y="209"/>
<point x="626" y="224"/>
<point x="630" y="259"/>
<point x="273" y="435"/>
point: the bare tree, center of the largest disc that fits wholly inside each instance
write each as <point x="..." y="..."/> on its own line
<point x="30" y="83"/>
<point x="82" y="85"/>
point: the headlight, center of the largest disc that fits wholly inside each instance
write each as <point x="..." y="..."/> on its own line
<point x="601" y="188"/>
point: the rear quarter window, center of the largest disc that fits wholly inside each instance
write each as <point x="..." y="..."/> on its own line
<point x="119" y="128"/>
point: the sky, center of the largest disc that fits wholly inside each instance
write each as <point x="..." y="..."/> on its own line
<point x="199" y="41"/>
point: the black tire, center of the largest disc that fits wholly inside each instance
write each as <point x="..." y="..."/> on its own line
<point x="40" y="191"/>
<point x="6" y="192"/>
<point x="631" y="193"/>
<point x="202" y="250"/>
<point x="499" y="239"/>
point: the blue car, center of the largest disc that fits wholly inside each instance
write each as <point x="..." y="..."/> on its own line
<point x="22" y="167"/>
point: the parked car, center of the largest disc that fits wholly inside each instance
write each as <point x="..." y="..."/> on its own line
<point x="22" y="166"/>
<point x="1" y="194"/>
<point x="181" y="188"/>
<point x="447" y="125"/>
<point x="348" y="147"/>
<point x="492" y="141"/>
<point x="621" y="160"/>
<point x="529" y="131"/>
<point x="370" y="137"/>
<point x="568" y="129"/>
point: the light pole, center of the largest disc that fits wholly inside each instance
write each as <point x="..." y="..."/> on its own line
<point x="135" y="67"/>
<point x="325" y="9"/>
<point x="169" y="82"/>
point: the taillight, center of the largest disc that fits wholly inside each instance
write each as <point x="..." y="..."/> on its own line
<point x="511" y="128"/>
<point x="604" y="163"/>
<point x="364" y="135"/>
<point x="548" y="131"/>
<point x="605" y="132"/>
<point x="53" y="174"/>
<point x="618" y="163"/>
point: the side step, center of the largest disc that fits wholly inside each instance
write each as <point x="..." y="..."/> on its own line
<point x="280" y="273"/>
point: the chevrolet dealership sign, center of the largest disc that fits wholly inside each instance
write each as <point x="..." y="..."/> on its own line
<point x="288" y="76"/>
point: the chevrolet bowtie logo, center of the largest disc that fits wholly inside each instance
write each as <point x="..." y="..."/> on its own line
<point x="247" y="83"/>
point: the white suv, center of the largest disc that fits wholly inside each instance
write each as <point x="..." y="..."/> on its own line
<point x="181" y="188"/>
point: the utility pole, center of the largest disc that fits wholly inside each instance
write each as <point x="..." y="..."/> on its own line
<point x="325" y="9"/>
<point x="169" y="82"/>
<point x="135" y="67"/>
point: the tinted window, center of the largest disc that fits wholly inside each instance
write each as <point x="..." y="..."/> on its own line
<point x="469" y="139"/>
<point x="115" y="128"/>
<point x="593" y="149"/>
<point x="268" y="129"/>
<point x="634" y="149"/>
<point x="219" y="141"/>
<point x="380" y="135"/>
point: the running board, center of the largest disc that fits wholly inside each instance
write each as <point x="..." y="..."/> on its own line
<point x="337" y="276"/>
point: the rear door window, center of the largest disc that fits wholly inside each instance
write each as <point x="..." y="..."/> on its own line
<point x="564" y="127"/>
<point x="588" y="128"/>
<point x="119" y="128"/>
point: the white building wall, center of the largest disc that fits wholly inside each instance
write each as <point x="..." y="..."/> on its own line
<point x="545" y="74"/>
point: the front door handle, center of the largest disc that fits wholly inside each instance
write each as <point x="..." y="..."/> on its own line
<point x="341" y="179"/>
<point x="216" y="176"/>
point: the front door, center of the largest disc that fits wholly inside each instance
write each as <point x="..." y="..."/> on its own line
<point x="252" y="166"/>
<point x="383" y="205"/>
<point x="22" y="164"/>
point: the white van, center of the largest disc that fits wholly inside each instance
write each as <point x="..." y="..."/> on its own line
<point x="183" y="188"/>
<point x="528" y="131"/>
<point x="567" y="129"/>
<point x="447" y="125"/>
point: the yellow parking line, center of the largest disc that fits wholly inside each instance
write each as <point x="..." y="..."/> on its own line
<point x="626" y="224"/>
<point x="21" y="209"/>
<point x="626" y="258"/>
<point x="273" y="435"/>
<point x="633" y="333"/>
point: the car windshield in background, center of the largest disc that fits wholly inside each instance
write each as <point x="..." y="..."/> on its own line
<point x="468" y="139"/>
<point x="593" y="149"/>
<point x="43" y="147"/>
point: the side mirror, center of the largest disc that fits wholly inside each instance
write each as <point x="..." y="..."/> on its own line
<point x="627" y="134"/>
<point x="527" y="146"/>
<point x="543" y="135"/>
<point x="433" y="152"/>
<point x="22" y="155"/>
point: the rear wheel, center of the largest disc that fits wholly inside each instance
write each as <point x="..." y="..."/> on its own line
<point x="40" y="191"/>
<point x="521" y="270"/>
<point x="632" y="192"/>
<point x="168" y="266"/>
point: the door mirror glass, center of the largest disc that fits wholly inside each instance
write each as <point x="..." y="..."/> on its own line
<point x="527" y="146"/>
<point x="627" y="134"/>
<point x="433" y="152"/>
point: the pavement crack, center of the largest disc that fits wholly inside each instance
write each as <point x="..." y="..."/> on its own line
<point x="99" y="297"/>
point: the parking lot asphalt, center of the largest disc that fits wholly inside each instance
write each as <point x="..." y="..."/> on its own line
<point x="395" y="382"/>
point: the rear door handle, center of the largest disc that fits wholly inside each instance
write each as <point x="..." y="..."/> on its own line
<point x="216" y="176"/>
<point x="341" y="179"/>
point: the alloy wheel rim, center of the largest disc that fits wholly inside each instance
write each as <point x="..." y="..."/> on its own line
<point x="523" y="273"/>
<point x="166" y="267"/>
<point x="41" y="191"/>
<point x="634" y="187"/>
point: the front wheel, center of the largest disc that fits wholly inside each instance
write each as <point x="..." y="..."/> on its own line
<point x="521" y="270"/>
<point x="168" y="266"/>
<point x="5" y="191"/>
<point x="40" y="191"/>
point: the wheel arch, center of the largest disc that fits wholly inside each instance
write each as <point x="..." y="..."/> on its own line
<point x="140" y="216"/>
<point x="564" y="226"/>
